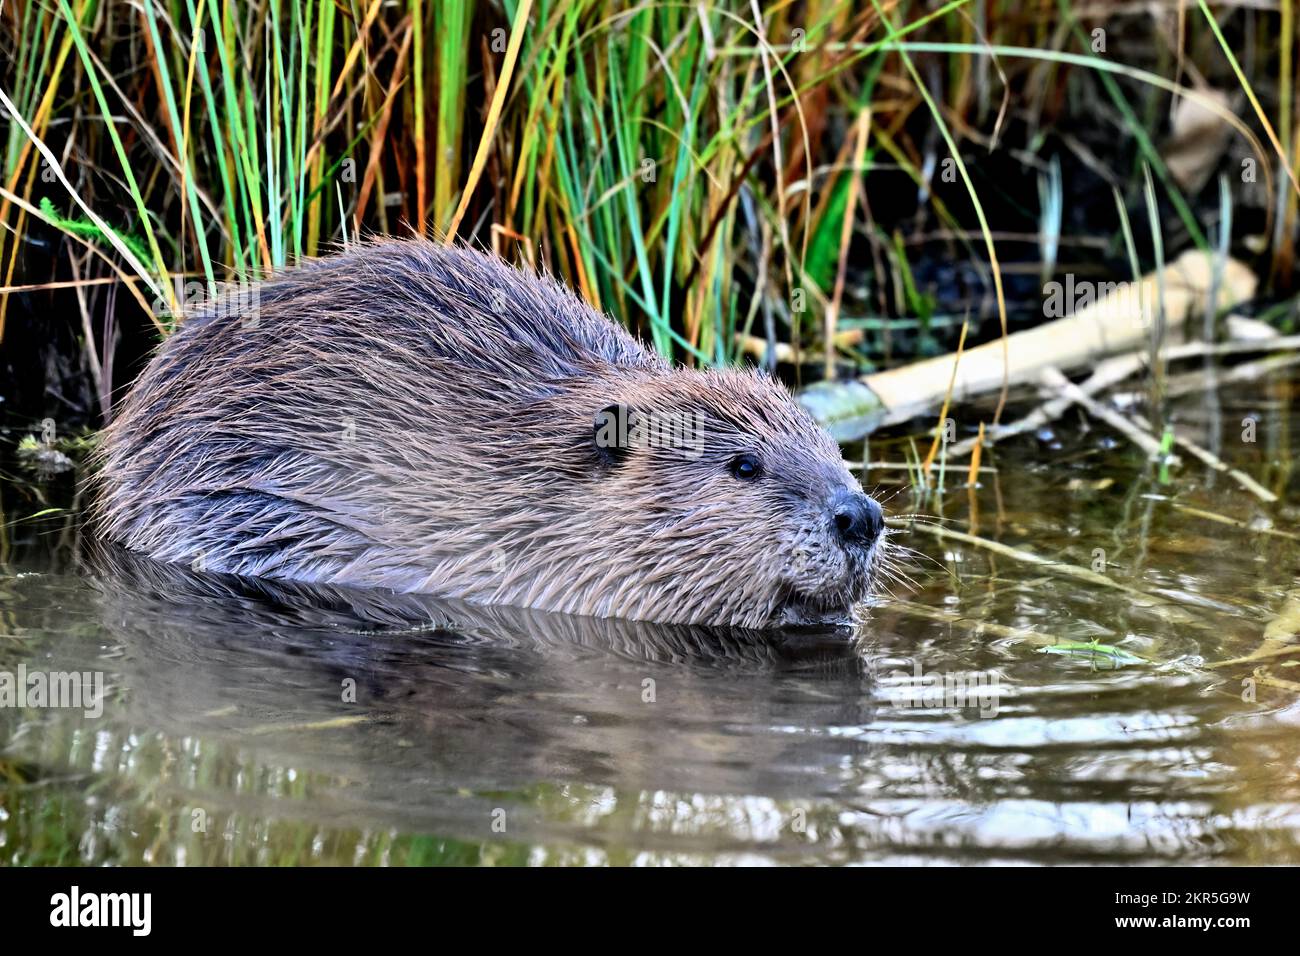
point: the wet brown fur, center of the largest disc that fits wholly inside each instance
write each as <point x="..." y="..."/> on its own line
<point x="420" y="418"/>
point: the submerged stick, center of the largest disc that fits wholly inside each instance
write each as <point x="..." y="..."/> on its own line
<point x="1255" y="656"/>
<point x="1262" y="676"/>
<point x="332" y="723"/>
<point x="1280" y="633"/>
<point x="1218" y="464"/>
<point x="1029" y="557"/>
<point x="1234" y="522"/>
<point x="975" y="626"/>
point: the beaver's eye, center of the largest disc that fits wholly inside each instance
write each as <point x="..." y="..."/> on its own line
<point x="746" y="467"/>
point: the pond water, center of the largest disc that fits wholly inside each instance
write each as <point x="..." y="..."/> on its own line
<point x="246" y="724"/>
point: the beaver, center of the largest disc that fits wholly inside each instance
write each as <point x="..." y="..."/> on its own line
<point x="427" y="418"/>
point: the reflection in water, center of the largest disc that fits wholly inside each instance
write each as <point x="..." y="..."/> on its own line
<point x="254" y="722"/>
<point x="406" y="713"/>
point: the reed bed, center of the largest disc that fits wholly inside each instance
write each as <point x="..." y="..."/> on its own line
<point x="826" y="186"/>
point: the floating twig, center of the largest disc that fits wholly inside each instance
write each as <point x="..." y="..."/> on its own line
<point x="1113" y="371"/>
<point x="1116" y="420"/>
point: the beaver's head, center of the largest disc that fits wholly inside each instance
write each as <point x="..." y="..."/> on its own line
<point x="712" y="497"/>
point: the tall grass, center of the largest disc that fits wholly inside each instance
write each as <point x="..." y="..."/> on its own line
<point x="692" y="169"/>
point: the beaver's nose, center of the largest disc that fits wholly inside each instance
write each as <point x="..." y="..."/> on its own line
<point x="858" y="519"/>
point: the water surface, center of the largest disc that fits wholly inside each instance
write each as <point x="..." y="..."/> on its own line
<point x="274" y="725"/>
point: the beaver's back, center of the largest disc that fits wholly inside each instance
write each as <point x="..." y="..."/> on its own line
<point x="437" y="302"/>
<point x="298" y="410"/>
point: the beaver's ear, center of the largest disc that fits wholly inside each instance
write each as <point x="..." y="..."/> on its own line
<point x="612" y="432"/>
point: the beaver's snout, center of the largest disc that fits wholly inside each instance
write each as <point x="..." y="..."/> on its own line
<point x="837" y="557"/>
<point x="858" y="519"/>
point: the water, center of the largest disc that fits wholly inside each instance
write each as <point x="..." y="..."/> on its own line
<point x="229" y="735"/>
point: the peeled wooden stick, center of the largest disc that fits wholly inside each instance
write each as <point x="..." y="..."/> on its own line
<point x="1118" y="322"/>
<point x="1280" y="634"/>
<point x="1235" y="522"/>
